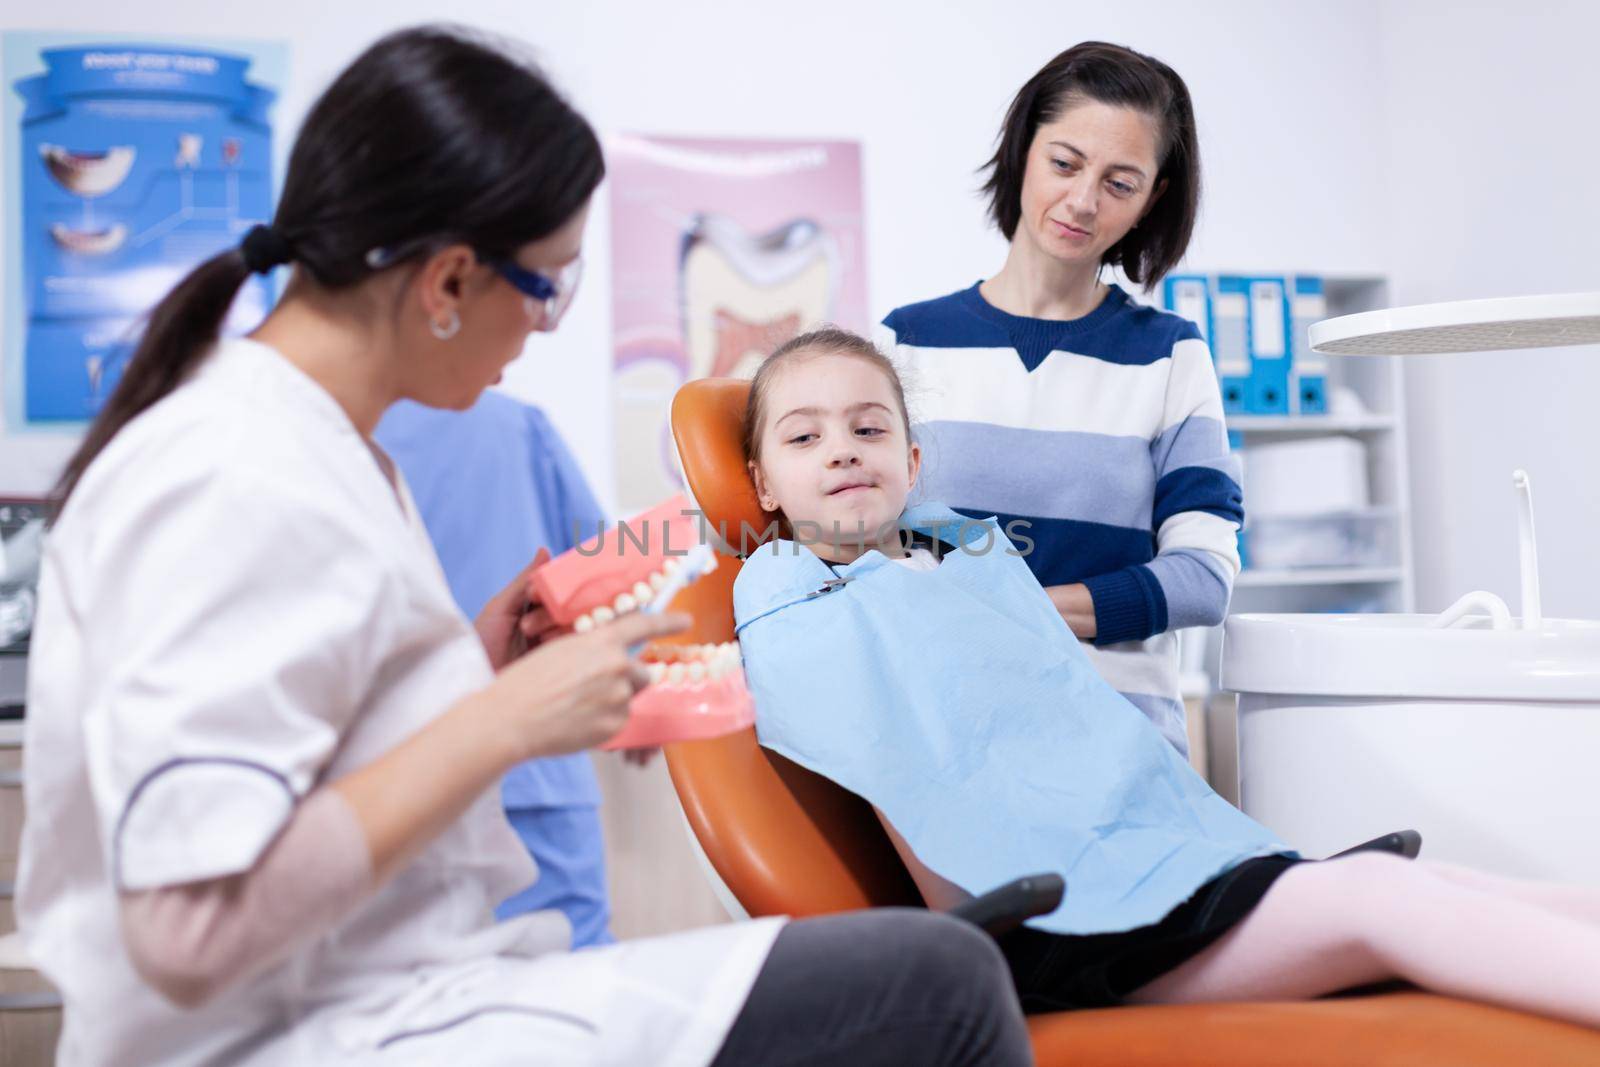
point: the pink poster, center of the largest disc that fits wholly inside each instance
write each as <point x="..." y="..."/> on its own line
<point x="721" y="251"/>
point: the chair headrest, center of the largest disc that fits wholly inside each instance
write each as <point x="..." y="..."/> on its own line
<point x="708" y="427"/>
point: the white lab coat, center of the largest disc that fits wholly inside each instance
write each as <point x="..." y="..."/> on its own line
<point x="236" y="607"/>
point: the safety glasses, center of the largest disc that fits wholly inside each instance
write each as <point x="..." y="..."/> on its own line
<point x="555" y="294"/>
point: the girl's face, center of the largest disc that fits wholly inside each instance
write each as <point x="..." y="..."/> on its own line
<point x="1090" y="176"/>
<point x="834" y="454"/>
<point x="495" y="316"/>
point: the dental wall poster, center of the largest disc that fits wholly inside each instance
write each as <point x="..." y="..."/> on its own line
<point x="721" y="250"/>
<point x="128" y="163"/>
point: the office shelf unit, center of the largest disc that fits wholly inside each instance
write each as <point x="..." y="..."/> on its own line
<point x="1387" y="585"/>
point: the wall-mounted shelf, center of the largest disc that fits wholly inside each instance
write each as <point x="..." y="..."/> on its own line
<point x="1311" y="424"/>
<point x="1256" y="579"/>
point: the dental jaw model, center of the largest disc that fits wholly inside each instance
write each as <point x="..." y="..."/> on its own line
<point x="695" y="691"/>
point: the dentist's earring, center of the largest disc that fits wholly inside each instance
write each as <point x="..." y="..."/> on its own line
<point x="449" y="329"/>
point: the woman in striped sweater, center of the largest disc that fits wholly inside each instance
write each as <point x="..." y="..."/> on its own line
<point x="1090" y="425"/>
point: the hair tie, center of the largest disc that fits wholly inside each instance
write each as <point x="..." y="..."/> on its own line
<point x="264" y="248"/>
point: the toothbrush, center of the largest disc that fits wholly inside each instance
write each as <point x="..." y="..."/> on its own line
<point x="698" y="562"/>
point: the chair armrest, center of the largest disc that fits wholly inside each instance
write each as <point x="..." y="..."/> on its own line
<point x="1405" y="843"/>
<point x="1002" y="910"/>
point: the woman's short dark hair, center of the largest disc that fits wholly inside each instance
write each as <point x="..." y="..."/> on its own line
<point x="1120" y="77"/>
<point x="433" y="136"/>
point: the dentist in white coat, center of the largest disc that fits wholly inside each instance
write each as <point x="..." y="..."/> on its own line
<point x="263" y="746"/>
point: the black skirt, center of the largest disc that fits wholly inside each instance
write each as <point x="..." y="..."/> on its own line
<point x="1060" y="972"/>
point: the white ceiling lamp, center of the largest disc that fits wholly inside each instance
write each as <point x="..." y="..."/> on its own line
<point x="1500" y="324"/>
<point x="1464" y="326"/>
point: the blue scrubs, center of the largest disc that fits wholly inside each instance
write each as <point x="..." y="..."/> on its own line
<point x="493" y="485"/>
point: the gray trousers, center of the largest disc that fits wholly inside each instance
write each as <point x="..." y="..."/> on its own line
<point x="890" y="987"/>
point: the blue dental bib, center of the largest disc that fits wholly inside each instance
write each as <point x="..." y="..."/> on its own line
<point x="959" y="704"/>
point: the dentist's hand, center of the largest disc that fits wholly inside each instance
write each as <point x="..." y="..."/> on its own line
<point x="571" y="693"/>
<point x="513" y="622"/>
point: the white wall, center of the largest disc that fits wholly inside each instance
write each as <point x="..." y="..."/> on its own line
<point x="923" y="86"/>
<point x="1448" y="145"/>
<point x="1489" y="189"/>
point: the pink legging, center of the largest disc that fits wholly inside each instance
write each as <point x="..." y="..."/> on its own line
<point x="1373" y="917"/>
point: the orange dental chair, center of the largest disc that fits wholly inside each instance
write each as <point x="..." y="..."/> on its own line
<point x="786" y="841"/>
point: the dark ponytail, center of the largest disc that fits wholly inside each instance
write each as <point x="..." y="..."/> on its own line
<point x="433" y="136"/>
<point x="182" y="327"/>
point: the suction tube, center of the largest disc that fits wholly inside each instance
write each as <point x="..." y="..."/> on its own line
<point x="1527" y="552"/>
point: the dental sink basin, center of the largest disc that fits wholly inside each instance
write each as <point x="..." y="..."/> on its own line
<point x="1479" y="730"/>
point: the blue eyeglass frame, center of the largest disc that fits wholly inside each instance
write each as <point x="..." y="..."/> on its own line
<point x="556" y="298"/>
<point x="528" y="282"/>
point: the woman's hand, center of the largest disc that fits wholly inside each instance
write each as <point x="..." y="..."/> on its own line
<point x="1076" y="606"/>
<point x="512" y="622"/>
<point x="571" y="693"/>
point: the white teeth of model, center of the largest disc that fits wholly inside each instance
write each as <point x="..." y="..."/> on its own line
<point x="697" y="671"/>
<point x="658" y="671"/>
<point x="642" y="592"/>
<point x="675" y="674"/>
<point x="657" y="580"/>
<point x="583" y="624"/>
<point x="716" y="670"/>
<point x="672" y="566"/>
<point x="626" y="603"/>
<point x="603" y="615"/>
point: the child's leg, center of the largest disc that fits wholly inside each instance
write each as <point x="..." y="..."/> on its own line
<point x="1324" y="927"/>
<point x="1577" y="902"/>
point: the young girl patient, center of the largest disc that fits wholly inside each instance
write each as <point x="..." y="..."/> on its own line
<point x="910" y="656"/>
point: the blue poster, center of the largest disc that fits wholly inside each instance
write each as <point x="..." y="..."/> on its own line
<point x="135" y="162"/>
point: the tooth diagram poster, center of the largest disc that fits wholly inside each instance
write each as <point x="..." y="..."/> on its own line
<point x="128" y="163"/>
<point x="721" y="250"/>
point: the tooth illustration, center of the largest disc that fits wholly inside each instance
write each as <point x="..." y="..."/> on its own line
<point x="642" y="592"/>
<point x="745" y="294"/>
<point x="188" y="151"/>
<point x="626" y="603"/>
<point x="89" y="242"/>
<point x="603" y="615"/>
<point x="583" y="624"/>
<point x="88" y="174"/>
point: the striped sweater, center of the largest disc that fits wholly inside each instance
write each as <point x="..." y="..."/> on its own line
<point x="1104" y="436"/>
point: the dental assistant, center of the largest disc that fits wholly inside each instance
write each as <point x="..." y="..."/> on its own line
<point x="263" y="743"/>
<point x="493" y="484"/>
<point x="1090" y="425"/>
